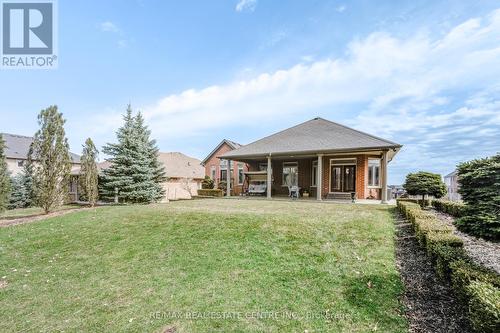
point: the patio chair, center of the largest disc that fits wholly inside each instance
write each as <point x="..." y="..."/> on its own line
<point x="293" y="192"/>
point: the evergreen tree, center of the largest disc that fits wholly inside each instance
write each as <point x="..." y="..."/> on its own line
<point x="89" y="173"/>
<point x="18" y="194"/>
<point x="425" y="183"/>
<point x="50" y="150"/>
<point x="135" y="170"/>
<point x="29" y="180"/>
<point x="149" y="156"/>
<point x="5" y="186"/>
<point x="119" y="175"/>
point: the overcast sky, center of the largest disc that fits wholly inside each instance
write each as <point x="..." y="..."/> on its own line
<point x="425" y="74"/>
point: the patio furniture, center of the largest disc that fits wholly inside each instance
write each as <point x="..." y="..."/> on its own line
<point x="293" y="192"/>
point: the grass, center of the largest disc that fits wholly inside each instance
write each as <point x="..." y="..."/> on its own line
<point x="264" y="266"/>
<point x="28" y="212"/>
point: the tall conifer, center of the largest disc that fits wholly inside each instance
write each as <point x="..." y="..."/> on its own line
<point x="89" y="173"/>
<point x="134" y="172"/>
<point x="50" y="150"/>
<point x="4" y="178"/>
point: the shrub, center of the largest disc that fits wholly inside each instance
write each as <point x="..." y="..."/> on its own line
<point x="479" y="186"/>
<point x="473" y="284"/>
<point x="484" y="307"/>
<point x="444" y="256"/>
<point x="464" y="272"/>
<point x="425" y="202"/>
<point x="449" y="207"/>
<point x="208" y="183"/>
<point x="210" y="192"/>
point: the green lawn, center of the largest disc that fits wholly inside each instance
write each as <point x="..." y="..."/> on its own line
<point x="28" y="212"/>
<point x="264" y="266"/>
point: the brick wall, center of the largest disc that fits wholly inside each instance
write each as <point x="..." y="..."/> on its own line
<point x="215" y="161"/>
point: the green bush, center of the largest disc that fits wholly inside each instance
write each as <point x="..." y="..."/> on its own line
<point x="210" y="192"/>
<point x="480" y="187"/>
<point x="208" y="183"/>
<point x="449" y="207"/>
<point x="420" y="202"/>
<point x="484" y="307"/>
<point x="444" y="256"/>
<point x="473" y="284"/>
<point x="464" y="272"/>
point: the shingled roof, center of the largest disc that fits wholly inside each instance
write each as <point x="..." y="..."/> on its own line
<point x="232" y="144"/>
<point x="313" y="136"/>
<point x="18" y="147"/>
<point x="178" y="165"/>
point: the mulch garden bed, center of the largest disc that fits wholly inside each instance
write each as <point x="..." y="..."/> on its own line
<point x="430" y="304"/>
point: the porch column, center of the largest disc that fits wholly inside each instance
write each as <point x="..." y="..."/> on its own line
<point x="269" y="176"/>
<point x="384" y="177"/>
<point x="319" y="177"/>
<point x="228" y="193"/>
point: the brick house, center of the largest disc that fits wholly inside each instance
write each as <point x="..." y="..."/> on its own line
<point x="17" y="154"/>
<point x="339" y="159"/>
<point x="216" y="168"/>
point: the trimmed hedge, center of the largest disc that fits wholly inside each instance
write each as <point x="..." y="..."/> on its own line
<point x="211" y="192"/>
<point x="427" y="202"/>
<point x="475" y="285"/>
<point x="484" y="307"/>
<point x="449" y="207"/>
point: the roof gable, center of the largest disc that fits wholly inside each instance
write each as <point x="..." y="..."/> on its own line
<point x="233" y="145"/>
<point x="315" y="135"/>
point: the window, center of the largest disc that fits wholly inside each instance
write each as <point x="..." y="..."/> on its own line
<point x="374" y="172"/>
<point x="262" y="166"/>
<point x="290" y="174"/>
<point x="20" y="163"/>
<point x="223" y="170"/>
<point x="314" y="173"/>
<point x="212" y="172"/>
<point x="241" y="176"/>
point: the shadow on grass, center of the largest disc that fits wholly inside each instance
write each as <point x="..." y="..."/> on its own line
<point x="371" y="296"/>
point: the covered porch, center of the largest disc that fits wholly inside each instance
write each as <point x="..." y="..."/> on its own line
<point x="330" y="176"/>
<point x="319" y="159"/>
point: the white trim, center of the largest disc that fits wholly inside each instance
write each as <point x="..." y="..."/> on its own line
<point x="379" y="185"/>
<point x="353" y="161"/>
<point x="345" y="164"/>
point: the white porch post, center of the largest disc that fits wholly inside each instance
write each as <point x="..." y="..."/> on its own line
<point x="228" y="194"/>
<point x="384" y="177"/>
<point x="269" y="176"/>
<point x="319" y="177"/>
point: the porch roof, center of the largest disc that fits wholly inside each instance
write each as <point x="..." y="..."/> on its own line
<point x="317" y="135"/>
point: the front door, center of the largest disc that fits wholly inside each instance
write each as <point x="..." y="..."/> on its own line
<point x="343" y="178"/>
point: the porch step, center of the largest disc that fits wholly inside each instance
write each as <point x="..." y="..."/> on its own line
<point x="339" y="196"/>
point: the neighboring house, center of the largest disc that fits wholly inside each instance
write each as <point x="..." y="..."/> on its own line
<point x="216" y="169"/>
<point x="451" y="181"/>
<point x="184" y="175"/>
<point x="327" y="159"/>
<point x="17" y="153"/>
<point x="397" y="191"/>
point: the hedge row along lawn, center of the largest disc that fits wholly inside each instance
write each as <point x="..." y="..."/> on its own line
<point x="265" y="266"/>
